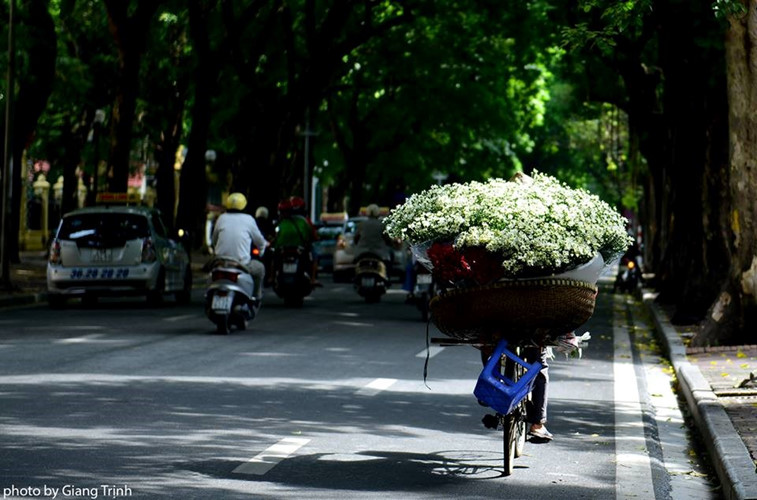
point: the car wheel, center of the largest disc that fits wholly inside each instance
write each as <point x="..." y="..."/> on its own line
<point x="89" y="300"/>
<point x="56" y="301"/>
<point x="155" y="296"/>
<point x="185" y="295"/>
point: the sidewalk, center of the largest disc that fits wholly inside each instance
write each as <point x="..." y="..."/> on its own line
<point x="724" y="413"/>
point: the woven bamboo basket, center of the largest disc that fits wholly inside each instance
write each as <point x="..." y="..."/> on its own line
<point x="513" y="308"/>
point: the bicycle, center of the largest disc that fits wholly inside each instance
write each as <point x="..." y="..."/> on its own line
<point x="521" y="314"/>
<point x="512" y="421"/>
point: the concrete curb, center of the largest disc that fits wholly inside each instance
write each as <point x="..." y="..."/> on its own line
<point x="727" y="450"/>
<point x="22" y="299"/>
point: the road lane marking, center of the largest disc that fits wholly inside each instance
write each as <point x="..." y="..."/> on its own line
<point x="93" y="338"/>
<point x="271" y="457"/>
<point x="352" y="323"/>
<point x="181" y="317"/>
<point x="633" y="468"/>
<point x="432" y="351"/>
<point x="377" y="386"/>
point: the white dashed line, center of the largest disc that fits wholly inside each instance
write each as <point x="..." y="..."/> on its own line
<point x="181" y="318"/>
<point x="271" y="457"/>
<point x="432" y="351"/>
<point x="377" y="386"/>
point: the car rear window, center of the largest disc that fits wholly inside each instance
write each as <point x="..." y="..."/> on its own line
<point x="329" y="232"/>
<point x="104" y="226"/>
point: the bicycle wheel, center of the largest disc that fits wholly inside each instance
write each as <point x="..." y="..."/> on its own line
<point x="520" y="429"/>
<point x="513" y="424"/>
<point x="509" y="443"/>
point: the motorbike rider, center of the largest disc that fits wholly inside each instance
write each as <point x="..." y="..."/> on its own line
<point x="234" y="234"/>
<point x="370" y="236"/>
<point x="294" y="229"/>
<point x="633" y="254"/>
<point x="266" y="226"/>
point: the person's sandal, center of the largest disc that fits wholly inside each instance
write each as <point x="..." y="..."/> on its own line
<point x="541" y="434"/>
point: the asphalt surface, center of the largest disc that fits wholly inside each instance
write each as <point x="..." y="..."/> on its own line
<point x="715" y="382"/>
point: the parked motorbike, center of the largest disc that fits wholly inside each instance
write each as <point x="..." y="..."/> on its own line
<point x="371" y="279"/>
<point x="230" y="298"/>
<point x="292" y="268"/>
<point x="629" y="276"/>
<point x="424" y="289"/>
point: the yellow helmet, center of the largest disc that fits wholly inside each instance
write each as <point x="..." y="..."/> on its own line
<point x="236" y="201"/>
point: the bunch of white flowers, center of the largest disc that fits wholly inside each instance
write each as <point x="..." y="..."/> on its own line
<point x="534" y="224"/>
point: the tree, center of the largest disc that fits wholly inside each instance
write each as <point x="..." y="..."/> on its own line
<point x="129" y="24"/>
<point x="164" y="102"/>
<point x="670" y="57"/>
<point x="733" y="316"/>
<point x="404" y="108"/>
<point x="34" y="85"/>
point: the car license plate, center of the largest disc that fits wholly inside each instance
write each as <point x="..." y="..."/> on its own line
<point x="99" y="273"/>
<point x="290" y="267"/>
<point x="221" y="303"/>
<point x="423" y="279"/>
<point x="102" y="255"/>
<point x="367" y="281"/>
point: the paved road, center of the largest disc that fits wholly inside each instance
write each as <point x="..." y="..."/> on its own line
<point x="327" y="401"/>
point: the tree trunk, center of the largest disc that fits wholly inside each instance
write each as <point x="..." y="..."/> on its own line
<point x="733" y="316"/>
<point x="193" y="191"/>
<point x="130" y="34"/>
<point x="35" y="87"/>
<point x="166" y="185"/>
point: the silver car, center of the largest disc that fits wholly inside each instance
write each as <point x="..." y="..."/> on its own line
<point x="116" y="250"/>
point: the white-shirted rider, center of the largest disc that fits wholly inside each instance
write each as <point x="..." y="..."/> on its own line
<point x="234" y="234"/>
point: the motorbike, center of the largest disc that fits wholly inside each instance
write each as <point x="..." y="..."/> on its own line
<point x="292" y="269"/>
<point x="424" y="289"/>
<point x="230" y="297"/>
<point x="371" y="279"/>
<point x="629" y="276"/>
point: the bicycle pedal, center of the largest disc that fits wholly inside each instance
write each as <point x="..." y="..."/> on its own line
<point x="490" y="421"/>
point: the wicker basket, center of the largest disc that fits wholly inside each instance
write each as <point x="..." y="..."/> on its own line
<point x="513" y="308"/>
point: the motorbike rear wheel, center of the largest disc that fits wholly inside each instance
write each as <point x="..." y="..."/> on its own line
<point x="223" y="326"/>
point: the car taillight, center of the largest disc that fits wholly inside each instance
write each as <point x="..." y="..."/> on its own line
<point x="219" y="274"/>
<point x="55" y="252"/>
<point x="148" y="251"/>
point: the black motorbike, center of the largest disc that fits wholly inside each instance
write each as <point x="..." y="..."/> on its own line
<point x="371" y="278"/>
<point x="424" y="289"/>
<point x="292" y="269"/>
<point x="628" y="277"/>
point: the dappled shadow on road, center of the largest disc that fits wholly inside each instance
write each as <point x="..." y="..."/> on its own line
<point x="370" y="470"/>
<point x="122" y="428"/>
<point x="395" y="472"/>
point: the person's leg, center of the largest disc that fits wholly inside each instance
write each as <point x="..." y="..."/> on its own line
<point x="536" y="414"/>
<point x="257" y="270"/>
